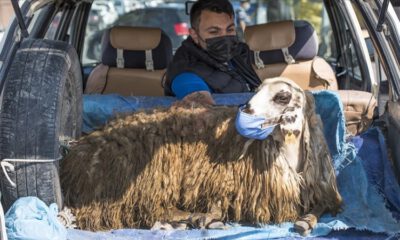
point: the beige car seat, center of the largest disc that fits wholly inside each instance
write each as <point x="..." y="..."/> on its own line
<point x="289" y="49"/>
<point x="134" y="60"/>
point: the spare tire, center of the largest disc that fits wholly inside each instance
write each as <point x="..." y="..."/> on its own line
<point x="41" y="107"/>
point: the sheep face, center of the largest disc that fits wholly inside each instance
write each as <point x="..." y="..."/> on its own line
<point x="275" y="97"/>
<point x="282" y="102"/>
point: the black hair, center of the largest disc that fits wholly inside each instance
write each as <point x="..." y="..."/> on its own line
<point x="218" y="6"/>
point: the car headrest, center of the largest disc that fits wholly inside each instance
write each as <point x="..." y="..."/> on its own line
<point x="136" y="47"/>
<point x="270" y="36"/>
<point x="279" y="42"/>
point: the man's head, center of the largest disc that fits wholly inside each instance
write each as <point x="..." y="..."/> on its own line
<point x="245" y="4"/>
<point x="210" y="19"/>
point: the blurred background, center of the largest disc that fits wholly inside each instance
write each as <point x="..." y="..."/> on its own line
<point x="6" y="12"/>
<point x="170" y="15"/>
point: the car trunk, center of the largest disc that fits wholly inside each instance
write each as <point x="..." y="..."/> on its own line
<point x="388" y="122"/>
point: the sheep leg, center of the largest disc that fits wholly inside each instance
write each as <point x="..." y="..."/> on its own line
<point x="177" y="215"/>
<point x="174" y="219"/>
<point x="180" y="219"/>
<point x="307" y="222"/>
<point x="211" y="219"/>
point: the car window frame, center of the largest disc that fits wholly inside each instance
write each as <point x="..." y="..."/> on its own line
<point x="77" y="26"/>
<point x="393" y="23"/>
<point x="365" y="58"/>
<point x="342" y="14"/>
<point x="44" y="16"/>
<point x="10" y="42"/>
<point x="382" y="48"/>
<point x="62" y="29"/>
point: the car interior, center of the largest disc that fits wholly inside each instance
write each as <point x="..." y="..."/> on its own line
<point x="305" y="41"/>
<point x="281" y="49"/>
<point x="284" y="40"/>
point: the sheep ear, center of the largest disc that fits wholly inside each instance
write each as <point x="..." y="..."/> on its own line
<point x="312" y="119"/>
<point x="309" y="104"/>
<point x="315" y="126"/>
<point x="312" y="127"/>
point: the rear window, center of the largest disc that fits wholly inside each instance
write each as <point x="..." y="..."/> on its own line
<point x="157" y="17"/>
<point x="170" y="17"/>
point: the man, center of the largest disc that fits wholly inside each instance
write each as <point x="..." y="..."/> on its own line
<point x="243" y="18"/>
<point x="211" y="59"/>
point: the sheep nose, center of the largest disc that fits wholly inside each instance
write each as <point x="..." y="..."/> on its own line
<point x="247" y="109"/>
<point x="282" y="97"/>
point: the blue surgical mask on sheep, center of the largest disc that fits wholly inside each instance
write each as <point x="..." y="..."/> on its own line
<point x="254" y="127"/>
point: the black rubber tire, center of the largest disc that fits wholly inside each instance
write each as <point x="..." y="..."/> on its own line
<point x="41" y="107"/>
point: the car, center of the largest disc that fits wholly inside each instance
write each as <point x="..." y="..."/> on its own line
<point x="53" y="47"/>
<point x="102" y="14"/>
<point x="172" y="13"/>
<point x="171" y="18"/>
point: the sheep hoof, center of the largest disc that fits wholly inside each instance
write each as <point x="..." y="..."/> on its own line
<point x="217" y="225"/>
<point x="305" y="224"/>
<point x="179" y="225"/>
<point x="301" y="227"/>
<point x="162" y="226"/>
<point x="201" y="220"/>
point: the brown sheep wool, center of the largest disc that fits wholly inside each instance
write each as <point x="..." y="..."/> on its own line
<point x="141" y="166"/>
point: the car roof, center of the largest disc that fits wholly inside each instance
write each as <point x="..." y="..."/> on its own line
<point x="171" y="5"/>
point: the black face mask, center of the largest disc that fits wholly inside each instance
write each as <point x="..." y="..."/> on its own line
<point x="224" y="48"/>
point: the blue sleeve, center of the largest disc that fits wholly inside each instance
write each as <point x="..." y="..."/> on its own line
<point x="187" y="83"/>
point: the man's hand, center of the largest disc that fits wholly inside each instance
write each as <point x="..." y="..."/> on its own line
<point x="200" y="97"/>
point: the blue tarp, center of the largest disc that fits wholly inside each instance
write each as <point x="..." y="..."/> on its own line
<point x="98" y="109"/>
<point x="29" y="218"/>
<point x="364" y="174"/>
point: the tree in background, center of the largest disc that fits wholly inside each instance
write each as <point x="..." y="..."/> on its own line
<point x="309" y="10"/>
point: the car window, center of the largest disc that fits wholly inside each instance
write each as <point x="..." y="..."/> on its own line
<point x="153" y="17"/>
<point x="170" y="17"/>
<point x="127" y="19"/>
<point x="353" y="66"/>
<point x="391" y="41"/>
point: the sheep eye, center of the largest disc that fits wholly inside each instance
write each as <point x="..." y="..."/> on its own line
<point x="282" y="97"/>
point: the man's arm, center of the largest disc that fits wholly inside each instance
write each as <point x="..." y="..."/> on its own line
<point x="189" y="87"/>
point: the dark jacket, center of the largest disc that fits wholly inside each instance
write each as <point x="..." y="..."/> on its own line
<point x="221" y="78"/>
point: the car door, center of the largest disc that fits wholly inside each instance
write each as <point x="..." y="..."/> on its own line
<point x="353" y="65"/>
<point x="386" y="43"/>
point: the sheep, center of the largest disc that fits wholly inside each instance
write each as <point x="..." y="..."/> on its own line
<point x="190" y="164"/>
